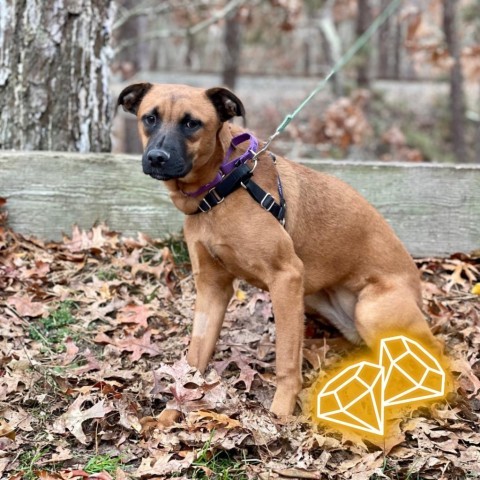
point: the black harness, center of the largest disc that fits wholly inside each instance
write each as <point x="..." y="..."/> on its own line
<point x="241" y="176"/>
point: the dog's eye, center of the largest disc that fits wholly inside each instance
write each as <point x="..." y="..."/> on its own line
<point x="150" y="120"/>
<point x="192" y="124"/>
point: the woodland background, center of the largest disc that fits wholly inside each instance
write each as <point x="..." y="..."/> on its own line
<point x="412" y="94"/>
<point x="93" y="327"/>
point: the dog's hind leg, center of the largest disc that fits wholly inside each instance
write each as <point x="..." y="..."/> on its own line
<point x="337" y="306"/>
<point x="385" y="311"/>
<point x="214" y="287"/>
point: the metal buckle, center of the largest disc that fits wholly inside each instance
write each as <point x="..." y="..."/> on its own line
<point x="200" y="206"/>
<point x="282" y="222"/>
<point x="267" y="195"/>
<point x="216" y="195"/>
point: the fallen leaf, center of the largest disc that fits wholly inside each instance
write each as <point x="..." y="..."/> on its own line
<point x="136" y="314"/>
<point x="138" y="346"/>
<point x="162" y="464"/>
<point x="26" y="307"/>
<point x="74" y="417"/>
<point x="211" y="420"/>
<point x="6" y="430"/>
<point x="298" y="473"/>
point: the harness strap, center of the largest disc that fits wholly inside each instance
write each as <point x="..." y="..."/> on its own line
<point x="266" y="200"/>
<point x="229" y="184"/>
<point x="228" y="165"/>
<point x="241" y="176"/>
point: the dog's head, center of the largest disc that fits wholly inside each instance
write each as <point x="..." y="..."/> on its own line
<point x="178" y="125"/>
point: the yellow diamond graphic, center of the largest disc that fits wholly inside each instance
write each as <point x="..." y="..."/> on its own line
<point x="357" y="396"/>
<point x="411" y="372"/>
<point x="354" y="398"/>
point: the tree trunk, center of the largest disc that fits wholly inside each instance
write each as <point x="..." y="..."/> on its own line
<point x="233" y="43"/>
<point x="136" y="57"/>
<point x="477" y="132"/>
<point x="383" y="70"/>
<point x="398" y="47"/>
<point x="331" y="44"/>
<point x="54" y="74"/>
<point x="364" y="18"/>
<point x="457" y="100"/>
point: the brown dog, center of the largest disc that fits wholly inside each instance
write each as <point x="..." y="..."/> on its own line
<point x="335" y="254"/>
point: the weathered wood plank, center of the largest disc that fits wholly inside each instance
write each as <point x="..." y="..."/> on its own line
<point x="435" y="209"/>
<point x="48" y="192"/>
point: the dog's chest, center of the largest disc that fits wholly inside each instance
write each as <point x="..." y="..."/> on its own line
<point x="235" y="262"/>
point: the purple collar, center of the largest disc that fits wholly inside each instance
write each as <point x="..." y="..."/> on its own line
<point x="228" y="165"/>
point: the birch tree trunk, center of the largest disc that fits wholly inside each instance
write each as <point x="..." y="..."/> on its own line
<point x="332" y="44"/>
<point x="54" y="73"/>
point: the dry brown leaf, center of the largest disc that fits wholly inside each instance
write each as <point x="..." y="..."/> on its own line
<point x="6" y="430"/>
<point x="137" y="345"/>
<point x="163" y="464"/>
<point x="61" y="455"/>
<point x="74" y="417"/>
<point x="247" y="373"/>
<point x="211" y="420"/>
<point x="190" y="390"/>
<point x="136" y="314"/>
<point x="463" y="367"/>
<point x="26" y="307"/>
<point x="18" y="419"/>
<point x="298" y="473"/>
<point x="71" y="351"/>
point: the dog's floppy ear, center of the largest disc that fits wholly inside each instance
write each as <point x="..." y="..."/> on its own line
<point x="227" y="104"/>
<point x="132" y="95"/>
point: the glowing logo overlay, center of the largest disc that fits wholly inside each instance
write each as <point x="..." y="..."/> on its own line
<point x="358" y="395"/>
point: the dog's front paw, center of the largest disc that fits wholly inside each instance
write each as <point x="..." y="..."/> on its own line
<point x="283" y="405"/>
<point x="168" y="417"/>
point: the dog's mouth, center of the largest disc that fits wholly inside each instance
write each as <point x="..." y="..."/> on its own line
<point x="168" y="174"/>
<point x="161" y="176"/>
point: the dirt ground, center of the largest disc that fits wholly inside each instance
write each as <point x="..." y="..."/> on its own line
<point x="93" y="332"/>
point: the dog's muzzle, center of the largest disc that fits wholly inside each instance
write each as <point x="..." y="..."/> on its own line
<point x="157" y="157"/>
<point x="163" y="165"/>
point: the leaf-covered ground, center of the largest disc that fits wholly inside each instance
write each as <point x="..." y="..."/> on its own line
<point x="93" y="332"/>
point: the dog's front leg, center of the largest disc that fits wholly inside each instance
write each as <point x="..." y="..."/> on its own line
<point x="214" y="290"/>
<point x="214" y="287"/>
<point x="287" y="292"/>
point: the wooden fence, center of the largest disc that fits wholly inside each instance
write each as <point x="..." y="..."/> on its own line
<point x="435" y="209"/>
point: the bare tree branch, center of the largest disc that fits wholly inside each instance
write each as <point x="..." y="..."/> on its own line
<point x="186" y="32"/>
<point x="146" y="8"/>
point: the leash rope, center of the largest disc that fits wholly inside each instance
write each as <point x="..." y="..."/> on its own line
<point x="361" y="41"/>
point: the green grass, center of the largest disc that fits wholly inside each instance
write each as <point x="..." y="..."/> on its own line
<point x="103" y="463"/>
<point x="219" y="465"/>
<point x="54" y="329"/>
<point x="177" y="246"/>
<point x="26" y="464"/>
<point x="107" y="275"/>
<point x="179" y="249"/>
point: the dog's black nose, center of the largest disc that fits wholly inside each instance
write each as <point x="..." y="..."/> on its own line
<point x="157" y="157"/>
